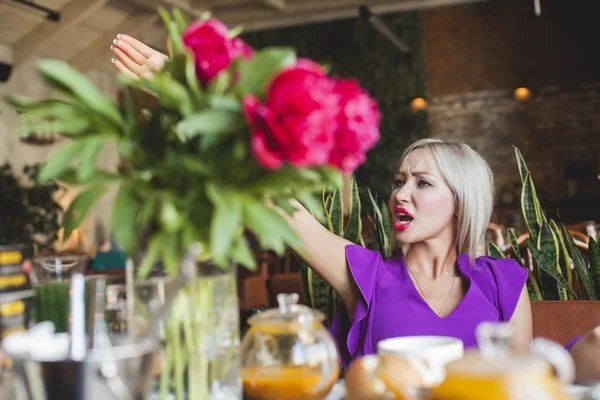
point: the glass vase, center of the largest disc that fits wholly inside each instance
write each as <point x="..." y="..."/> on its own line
<point x="201" y="339"/>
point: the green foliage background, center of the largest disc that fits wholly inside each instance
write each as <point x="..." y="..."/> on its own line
<point x="353" y="48"/>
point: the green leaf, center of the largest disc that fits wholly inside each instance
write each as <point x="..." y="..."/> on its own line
<point x="59" y="75"/>
<point x="548" y="266"/>
<point x="533" y="288"/>
<point x="514" y="244"/>
<point x="564" y="260"/>
<point x="170" y="218"/>
<point x="210" y="122"/>
<point x="67" y="127"/>
<point x="314" y="206"/>
<point x="529" y="208"/>
<point x="382" y="226"/>
<point x="580" y="264"/>
<point x="170" y="252"/>
<point x="226" y="221"/>
<point x="353" y="230"/>
<point x="336" y="213"/>
<point x="494" y="251"/>
<point x="241" y="253"/>
<point x="181" y="20"/>
<point x="256" y="74"/>
<point x="521" y="165"/>
<point x="150" y="257"/>
<point x="220" y="83"/>
<point x="271" y="229"/>
<point x="80" y="207"/>
<point x="227" y="103"/>
<point x="51" y="108"/>
<point x="89" y="157"/>
<point x="123" y="219"/>
<point x="191" y="79"/>
<point x="594" y="255"/>
<point x="62" y="158"/>
<point x="71" y="177"/>
<point x="172" y="30"/>
<point x="548" y="245"/>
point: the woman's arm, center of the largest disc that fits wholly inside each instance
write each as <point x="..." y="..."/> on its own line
<point x="325" y="253"/>
<point x="521" y="320"/>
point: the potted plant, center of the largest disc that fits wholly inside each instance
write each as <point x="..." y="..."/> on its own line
<point x="561" y="268"/>
<point x="237" y="133"/>
<point x="29" y="214"/>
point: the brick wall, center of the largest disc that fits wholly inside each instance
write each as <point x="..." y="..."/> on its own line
<point x="478" y="53"/>
<point x="501" y="44"/>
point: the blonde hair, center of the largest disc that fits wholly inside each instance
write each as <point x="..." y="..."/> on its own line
<point x="472" y="182"/>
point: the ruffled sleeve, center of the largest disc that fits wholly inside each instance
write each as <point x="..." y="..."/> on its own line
<point x="352" y="336"/>
<point x="507" y="279"/>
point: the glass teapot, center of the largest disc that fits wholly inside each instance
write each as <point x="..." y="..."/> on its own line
<point x="495" y="372"/>
<point x="287" y="353"/>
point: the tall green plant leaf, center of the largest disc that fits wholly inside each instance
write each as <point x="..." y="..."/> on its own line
<point x="386" y="229"/>
<point x="548" y="266"/>
<point x="354" y="227"/>
<point x="494" y="251"/>
<point x="336" y="213"/>
<point x="548" y="244"/>
<point x="533" y="289"/>
<point x="529" y="208"/>
<point x="523" y="172"/>
<point x="514" y="245"/>
<point x="580" y="265"/>
<point x="594" y="254"/>
<point x="563" y="257"/>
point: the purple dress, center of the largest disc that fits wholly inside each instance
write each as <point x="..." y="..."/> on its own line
<point x="390" y="304"/>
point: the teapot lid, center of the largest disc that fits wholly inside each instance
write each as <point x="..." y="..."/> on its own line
<point x="289" y="311"/>
<point x="496" y="356"/>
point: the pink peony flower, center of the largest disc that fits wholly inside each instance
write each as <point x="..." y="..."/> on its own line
<point x="299" y="121"/>
<point x="213" y="49"/>
<point x="358" y="123"/>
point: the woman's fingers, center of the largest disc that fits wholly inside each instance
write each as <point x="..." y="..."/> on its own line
<point x="127" y="62"/>
<point x="140" y="47"/>
<point x="123" y="69"/>
<point x="133" y="54"/>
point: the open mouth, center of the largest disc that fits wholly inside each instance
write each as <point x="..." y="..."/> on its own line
<point x="403" y="219"/>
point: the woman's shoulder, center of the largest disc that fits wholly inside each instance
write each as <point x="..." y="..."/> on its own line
<point x="501" y="268"/>
<point x="501" y="280"/>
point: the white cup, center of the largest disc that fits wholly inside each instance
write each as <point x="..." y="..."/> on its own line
<point x="435" y="351"/>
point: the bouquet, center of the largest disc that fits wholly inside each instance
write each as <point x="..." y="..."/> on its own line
<point x="236" y="131"/>
<point x="236" y="134"/>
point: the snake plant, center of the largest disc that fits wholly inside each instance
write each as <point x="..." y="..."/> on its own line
<point x="559" y="269"/>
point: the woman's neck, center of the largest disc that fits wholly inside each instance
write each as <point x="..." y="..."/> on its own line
<point x="435" y="260"/>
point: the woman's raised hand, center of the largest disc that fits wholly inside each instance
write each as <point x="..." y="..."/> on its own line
<point x="134" y="58"/>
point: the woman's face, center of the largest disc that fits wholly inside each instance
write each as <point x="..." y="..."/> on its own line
<point x="421" y="203"/>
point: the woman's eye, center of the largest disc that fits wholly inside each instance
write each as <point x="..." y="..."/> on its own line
<point x="398" y="184"/>
<point x="423" y="183"/>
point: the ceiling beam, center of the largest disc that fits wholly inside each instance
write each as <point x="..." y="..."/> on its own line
<point x="313" y="11"/>
<point x="183" y="5"/>
<point x="71" y="14"/>
<point x="99" y="53"/>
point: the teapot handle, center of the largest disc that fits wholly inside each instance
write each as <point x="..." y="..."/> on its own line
<point x="557" y="356"/>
